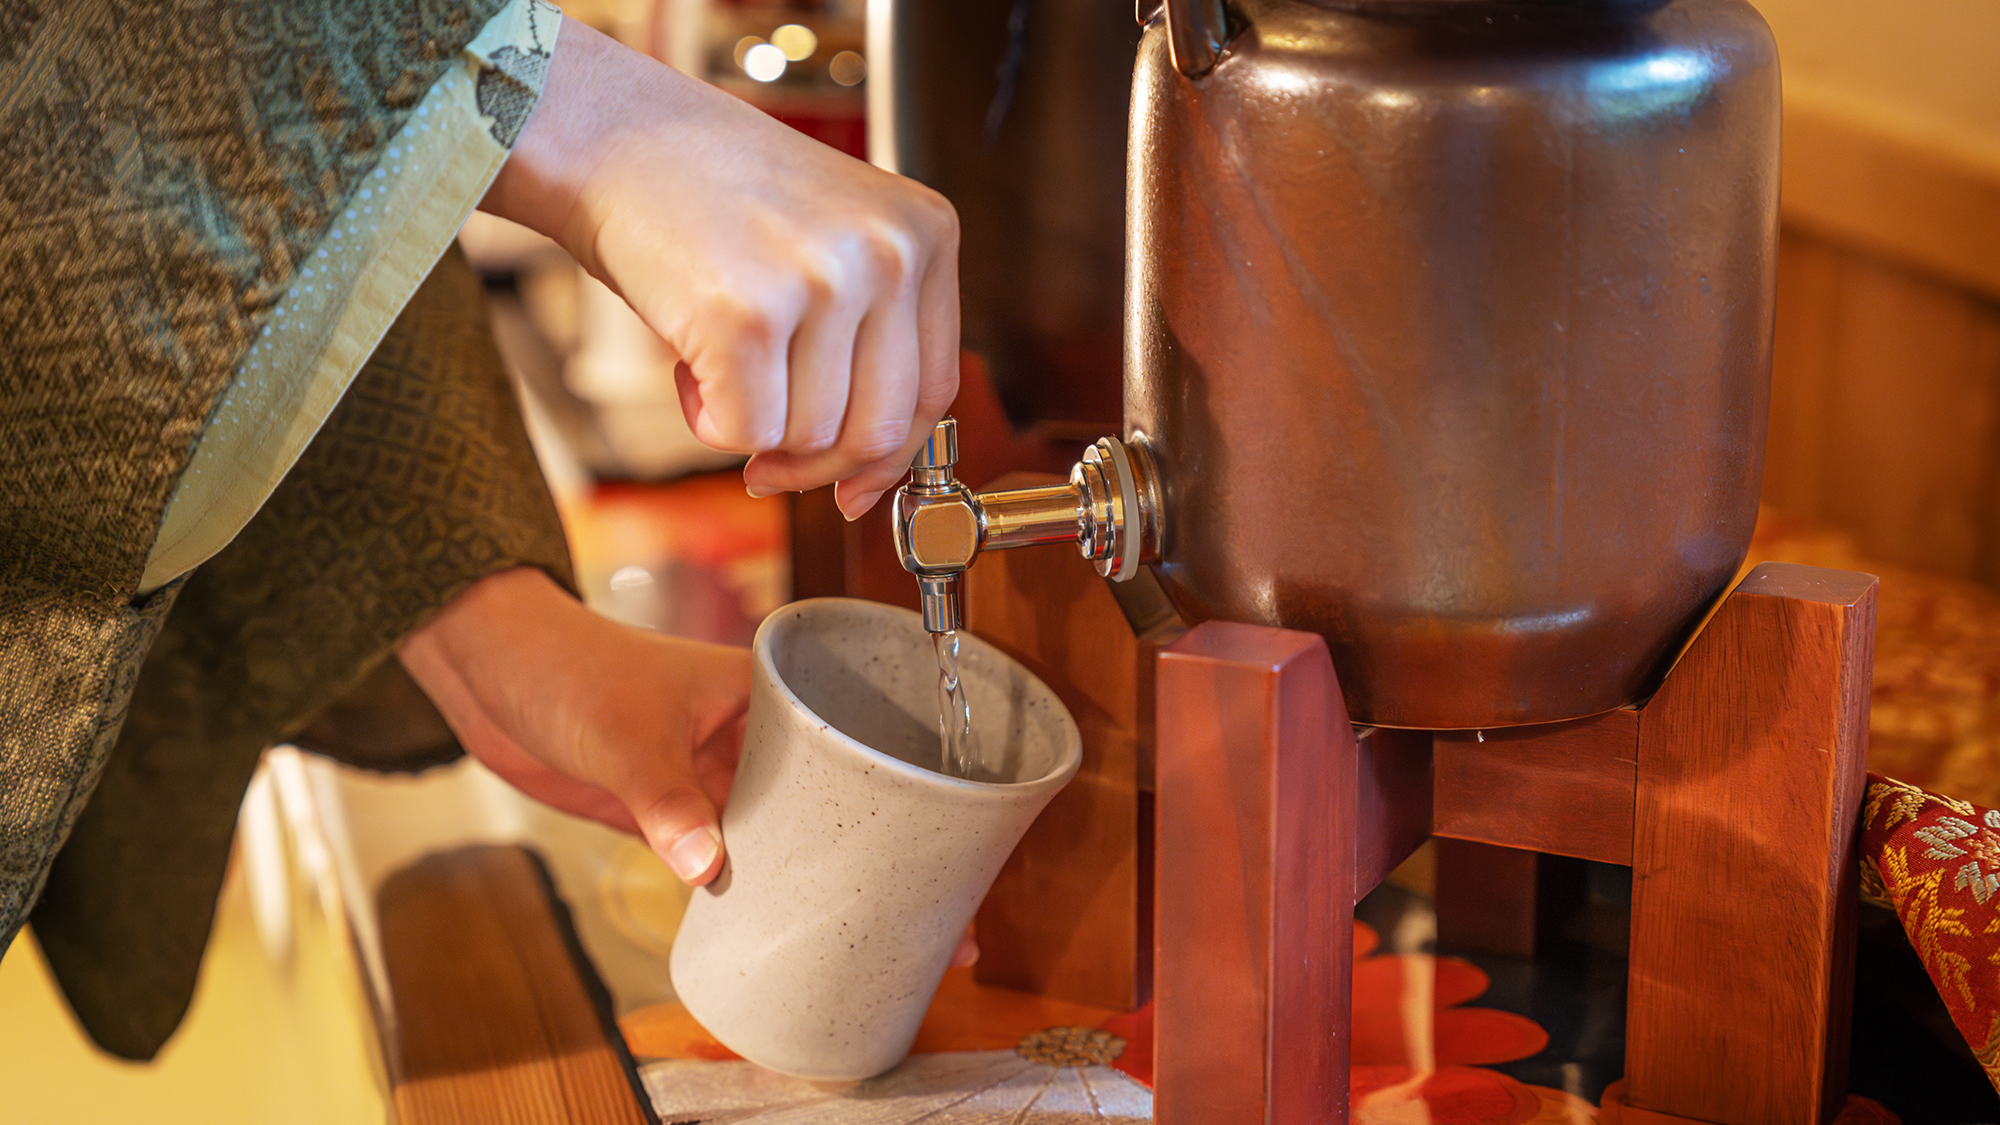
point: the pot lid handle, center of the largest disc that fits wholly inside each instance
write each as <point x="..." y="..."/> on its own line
<point x="1196" y="31"/>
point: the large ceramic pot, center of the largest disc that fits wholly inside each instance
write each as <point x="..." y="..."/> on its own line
<point x="1449" y="329"/>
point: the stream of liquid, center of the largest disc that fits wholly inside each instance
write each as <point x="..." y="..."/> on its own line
<point x="954" y="715"/>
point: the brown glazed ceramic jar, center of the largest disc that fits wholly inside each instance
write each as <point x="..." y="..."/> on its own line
<point x="1449" y="329"/>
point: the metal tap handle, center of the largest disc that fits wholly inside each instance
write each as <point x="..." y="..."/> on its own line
<point x="931" y="469"/>
<point x="941" y="451"/>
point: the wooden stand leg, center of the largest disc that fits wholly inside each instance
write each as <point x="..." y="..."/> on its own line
<point x="1254" y="898"/>
<point x="1063" y="918"/>
<point x="1501" y="900"/>
<point x="1486" y="900"/>
<point x="1750" y="775"/>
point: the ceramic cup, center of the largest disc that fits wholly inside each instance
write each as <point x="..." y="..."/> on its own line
<point x="854" y="865"/>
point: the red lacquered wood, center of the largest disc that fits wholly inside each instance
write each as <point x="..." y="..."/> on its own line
<point x="1254" y="899"/>
<point x="1749" y="780"/>
<point x="1392" y="798"/>
<point x="1566" y="788"/>
<point x="1063" y="918"/>
<point x="1487" y="898"/>
<point x="1616" y="1111"/>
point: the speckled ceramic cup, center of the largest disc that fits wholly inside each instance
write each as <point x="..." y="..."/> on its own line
<point x="853" y="864"/>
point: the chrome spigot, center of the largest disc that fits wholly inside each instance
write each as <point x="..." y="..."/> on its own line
<point x="1109" y="508"/>
<point x="937" y="529"/>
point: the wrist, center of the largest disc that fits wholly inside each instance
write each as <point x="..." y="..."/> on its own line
<point x="486" y="621"/>
<point x="592" y="81"/>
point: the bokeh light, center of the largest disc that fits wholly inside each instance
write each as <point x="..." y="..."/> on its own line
<point x="743" y="46"/>
<point x="796" y="40"/>
<point x="764" y="62"/>
<point x="848" y="68"/>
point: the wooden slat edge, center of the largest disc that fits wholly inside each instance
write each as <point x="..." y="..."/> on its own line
<point x="499" y="1017"/>
<point x="1873" y="179"/>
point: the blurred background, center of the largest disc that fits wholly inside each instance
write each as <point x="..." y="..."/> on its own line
<point x="1884" y="455"/>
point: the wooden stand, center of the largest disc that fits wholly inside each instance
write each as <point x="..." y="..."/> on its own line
<point x="1733" y="794"/>
<point x="1071" y="913"/>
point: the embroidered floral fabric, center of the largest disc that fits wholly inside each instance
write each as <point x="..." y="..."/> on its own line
<point x="1935" y="861"/>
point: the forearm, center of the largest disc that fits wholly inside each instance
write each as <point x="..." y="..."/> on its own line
<point x="588" y="99"/>
<point x="447" y="656"/>
<point x="812" y="299"/>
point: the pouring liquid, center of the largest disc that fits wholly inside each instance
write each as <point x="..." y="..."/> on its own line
<point x="954" y="715"/>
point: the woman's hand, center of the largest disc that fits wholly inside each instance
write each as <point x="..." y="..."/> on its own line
<point x="812" y="298"/>
<point x="599" y="719"/>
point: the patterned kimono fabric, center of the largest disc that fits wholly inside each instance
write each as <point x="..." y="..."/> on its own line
<point x="1935" y="861"/>
<point x="174" y="171"/>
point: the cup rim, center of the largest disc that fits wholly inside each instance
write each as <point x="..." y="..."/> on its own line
<point x="1067" y="761"/>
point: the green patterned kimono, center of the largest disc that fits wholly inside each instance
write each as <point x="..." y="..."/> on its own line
<point x="191" y="251"/>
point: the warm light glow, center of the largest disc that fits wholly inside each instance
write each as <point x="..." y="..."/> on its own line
<point x="796" y="40"/>
<point x="848" y="68"/>
<point x="631" y="578"/>
<point x="743" y="46"/>
<point x="1282" y="80"/>
<point x="764" y="62"/>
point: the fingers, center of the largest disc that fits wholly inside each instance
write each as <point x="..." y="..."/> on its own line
<point x="518" y="768"/>
<point x="543" y="690"/>
<point x="938" y="330"/>
<point x="497" y="750"/>
<point x="823" y="361"/>
<point x="737" y="371"/>
<point x="674" y="786"/>
<point x="776" y="266"/>
<point x="880" y="404"/>
<point x="853" y="396"/>
<point x="812" y="298"/>
<point x="858" y="492"/>
<point x="716" y="756"/>
<point x="425" y="655"/>
<point x="886" y="393"/>
<point x="905" y="364"/>
<point x="679" y="824"/>
<point x="937" y="340"/>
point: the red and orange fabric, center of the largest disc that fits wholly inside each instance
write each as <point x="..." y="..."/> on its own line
<point x="1935" y="861"/>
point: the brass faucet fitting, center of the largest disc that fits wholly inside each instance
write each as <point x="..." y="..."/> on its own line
<point x="1109" y="509"/>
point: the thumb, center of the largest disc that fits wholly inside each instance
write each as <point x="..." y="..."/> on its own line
<point x="679" y="824"/>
